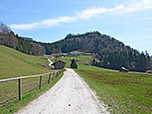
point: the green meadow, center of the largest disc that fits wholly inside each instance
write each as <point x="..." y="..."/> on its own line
<point x="124" y="93"/>
<point x="15" y="64"/>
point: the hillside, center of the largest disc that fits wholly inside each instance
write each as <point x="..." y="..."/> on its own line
<point x="92" y="42"/>
<point x="14" y="63"/>
<point x="111" y="52"/>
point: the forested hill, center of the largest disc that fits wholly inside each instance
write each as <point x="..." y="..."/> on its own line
<point x="111" y="52"/>
<point x="23" y="44"/>
<point x="92" y="42"/>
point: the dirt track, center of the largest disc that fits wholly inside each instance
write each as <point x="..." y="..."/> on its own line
<point x="70" y="95"/>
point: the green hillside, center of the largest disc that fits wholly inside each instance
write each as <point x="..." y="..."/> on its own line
<point x="124" y="93"/>
<point x="110" y="52"/>
<point x="14" y="63"/>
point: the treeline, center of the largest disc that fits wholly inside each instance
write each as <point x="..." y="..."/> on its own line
<point x="110" y="52"/>
<point x="8" y="38"/>
<point x="30" y="47"/>
<point x="131" y="60"/>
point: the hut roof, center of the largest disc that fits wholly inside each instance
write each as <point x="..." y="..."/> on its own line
<point x="59" y="61"/>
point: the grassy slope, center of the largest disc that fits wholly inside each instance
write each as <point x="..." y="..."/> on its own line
<point x="122" y="92"/>
<point x="14" y="63"/>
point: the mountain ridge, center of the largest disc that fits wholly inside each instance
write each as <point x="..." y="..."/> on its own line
<point x="111" y="52"/>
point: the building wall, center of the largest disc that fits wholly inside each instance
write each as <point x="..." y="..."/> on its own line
<point x="59" y="65"/>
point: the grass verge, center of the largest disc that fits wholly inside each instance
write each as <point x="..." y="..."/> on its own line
<point x="124" y="93"/>
<point x="15" y="104"/>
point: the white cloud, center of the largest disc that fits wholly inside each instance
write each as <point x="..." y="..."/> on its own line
<point x="24" y="26"/>
<point x="88" y="13"/>
<point x="44" y="23"/>
<point x="115" y="9"/>
<point x="129" y="7"/>
<point x="133" y="6"/>
<point x="52" y="22"/>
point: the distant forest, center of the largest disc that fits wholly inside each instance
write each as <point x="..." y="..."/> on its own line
<point x="109" y="52"/>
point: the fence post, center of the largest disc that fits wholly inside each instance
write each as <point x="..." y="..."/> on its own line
<point x="57" y="74"/>
<point x="49" y="78"/>
<point x="54" y="75"/>
<point x="19" y="89"/>
<point x="40" y="82"/>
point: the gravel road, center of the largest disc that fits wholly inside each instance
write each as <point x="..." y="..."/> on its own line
<point x="70" y="95"/>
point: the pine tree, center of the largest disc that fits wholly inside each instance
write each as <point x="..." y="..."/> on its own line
<point x="94" y="62"/>
<point x="73" y="64"/>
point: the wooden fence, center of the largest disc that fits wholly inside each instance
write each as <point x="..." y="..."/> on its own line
<point x="52" y="75"/>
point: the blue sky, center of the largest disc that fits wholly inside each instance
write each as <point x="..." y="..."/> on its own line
<point x="129" y="21"/>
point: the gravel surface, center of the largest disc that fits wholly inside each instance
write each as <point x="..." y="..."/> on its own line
<point x="70" y="95"/>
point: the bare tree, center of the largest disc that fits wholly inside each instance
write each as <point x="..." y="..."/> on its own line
<point x="4" y="29"/>
<point x="37" y="49"/>
<point x="7" y="37"/>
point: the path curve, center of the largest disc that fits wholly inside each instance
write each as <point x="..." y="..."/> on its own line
<point x="70" y="95"/>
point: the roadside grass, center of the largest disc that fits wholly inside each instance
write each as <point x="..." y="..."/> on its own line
<point x="124" y="93"/>
<point x="15" y="104"/>
<point x="16" y="64"/>
<point x="9" y="89"/>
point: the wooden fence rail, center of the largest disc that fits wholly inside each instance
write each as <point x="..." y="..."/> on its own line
<point x="54" y="74"/>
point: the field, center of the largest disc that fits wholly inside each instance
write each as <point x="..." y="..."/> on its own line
<point x="15" y="64"/>
<point x="122" y="92"/>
